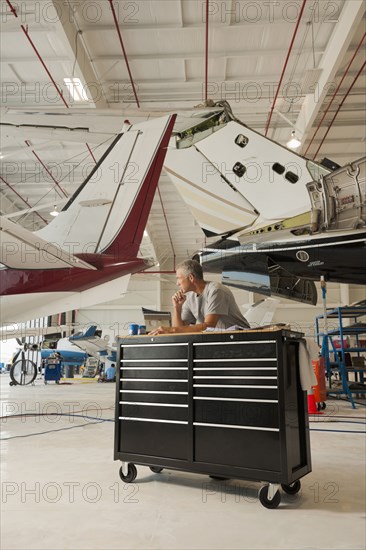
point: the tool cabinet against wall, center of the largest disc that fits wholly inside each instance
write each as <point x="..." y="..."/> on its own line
<point x="224" y="404"/>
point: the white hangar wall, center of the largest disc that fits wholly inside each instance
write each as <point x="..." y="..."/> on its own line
<point x="155" y="292"/>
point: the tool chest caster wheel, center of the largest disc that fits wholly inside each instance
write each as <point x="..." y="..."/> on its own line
<point x="293" y="488"/>
<point x="131" y="474"/>
<point x="156" y="469"/>
<point x="264" y="498"/>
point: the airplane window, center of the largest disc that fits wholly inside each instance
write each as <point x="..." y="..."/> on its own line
<point x="241" y="140"/>
<point x="278" y="168"/>
<point x="239" y="169"/>
<point x="291" y="177"/>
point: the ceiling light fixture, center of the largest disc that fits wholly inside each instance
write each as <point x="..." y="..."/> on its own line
<point x="54" y="212"/>
<point x="76" y="89"/>
<point x="294" y="143"/>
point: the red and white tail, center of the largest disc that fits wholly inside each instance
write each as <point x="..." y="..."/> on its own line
<point x="109" y="211"/>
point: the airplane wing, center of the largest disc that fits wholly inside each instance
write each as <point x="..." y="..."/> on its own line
<point x="22" y="307"/>
<point x="20" y="246"/>
<point x="91" y="342"/>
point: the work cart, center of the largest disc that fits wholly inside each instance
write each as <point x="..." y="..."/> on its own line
<point x="225" y="404"/>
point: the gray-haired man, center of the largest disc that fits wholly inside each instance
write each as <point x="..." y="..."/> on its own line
<point x="201" y="304"/>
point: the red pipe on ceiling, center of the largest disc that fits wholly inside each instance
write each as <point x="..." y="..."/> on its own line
<point x="167" y="226"/>
<point x="14" y="11"/>
<point x="26" y="202"/>
<point x="285" y="65"/>
<point x="47" y="170"/>
<point x="124" y="51"/>
<point x="44" y="65"/>
<point x="91" y="153"/>
<point x="206" y="53"/>
<point x="25" y="30"/>
<point x="339" y="108"/>
<point x="335" y="93"/>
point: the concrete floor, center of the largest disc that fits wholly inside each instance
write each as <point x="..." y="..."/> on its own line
<point x="61" y="490"/>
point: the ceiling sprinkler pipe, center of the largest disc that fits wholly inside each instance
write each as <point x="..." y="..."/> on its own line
<point x="285" y="65"/>
<point x="44" y="65"/>
<point x="124" y="51"/>
<point x="339" y="108"/>
<point x="335" y="93"/>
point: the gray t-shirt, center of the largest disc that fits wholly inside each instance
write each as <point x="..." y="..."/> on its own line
<point x="216" y="299"/>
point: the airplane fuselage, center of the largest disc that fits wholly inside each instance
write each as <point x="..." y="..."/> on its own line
<point x="280" y="221"/>
<point x="27" y="281"/>
<point x="67" y="356"/>
<point x="340" y="257"/>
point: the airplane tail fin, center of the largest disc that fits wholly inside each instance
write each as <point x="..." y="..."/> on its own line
<point x="109" y="211"/>
<point x="90" y="331"/>
<point x="133" y="228"/>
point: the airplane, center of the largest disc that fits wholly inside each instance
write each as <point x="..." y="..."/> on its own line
<point x="90" y="341"/>
<point x="88" y="252"/>
<point x="69" y="356"/>
<point x="32" y="355"/>
<point x="279" y="221"/>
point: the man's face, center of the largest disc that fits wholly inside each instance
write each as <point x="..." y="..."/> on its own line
<point x="183" y="282"/>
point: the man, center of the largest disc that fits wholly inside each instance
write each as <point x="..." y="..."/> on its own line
<point x="110" y="374"/>
<point x="201" y="304"/>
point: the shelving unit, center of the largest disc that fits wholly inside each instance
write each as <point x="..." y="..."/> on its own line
<point x="335" y="357"/>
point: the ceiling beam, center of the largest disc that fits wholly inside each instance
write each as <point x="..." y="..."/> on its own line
<point x="223" y="25"/>
<point x="343" y="32"/>
<point x="6" y="204"/>
<point x="36" y="131"/>
<point x="240" y="53"/>
<point x="12" y="26"/>
<point x="169" y="56"/>
<point x="71" y="36"/>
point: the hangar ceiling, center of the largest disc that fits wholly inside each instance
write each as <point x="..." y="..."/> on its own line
<point x="282" y="66"/>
